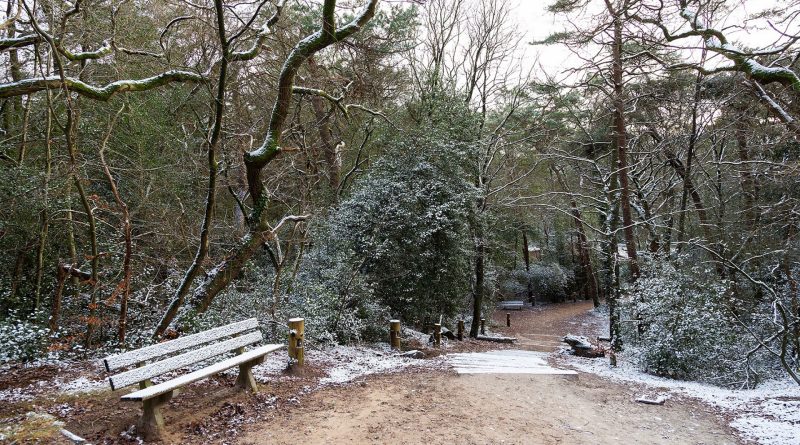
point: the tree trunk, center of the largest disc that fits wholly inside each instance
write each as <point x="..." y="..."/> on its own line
<point x="584" y="255"/>
<point x="666" y="246"/>
<point x="45" y="213"/>
<point x="220" y="276"/>
<point x="620" y="141"/>
<point x="323" y="117"/>
<point x="526" y="255"/>
<point x="211" y="194"/>
<point x="692" y="192"/>
<point x="748" y="184"/>
<point x="477" y="297"/>
<point x="123" y="290"/>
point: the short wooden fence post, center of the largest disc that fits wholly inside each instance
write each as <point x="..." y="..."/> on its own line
<point x="461" y="330"/>
<point x="508" y="319"/>
<point x="394" y="334"/>
<point x="296" y="344"/>
<point x="483" y="326"/>
<point x="437" y="334"/>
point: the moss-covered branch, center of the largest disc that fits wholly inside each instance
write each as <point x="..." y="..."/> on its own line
<point x="104" y="93"/>
<point x="101" y="52"/>
<point x="325" y="36"/>
<point x="18" y="42"/>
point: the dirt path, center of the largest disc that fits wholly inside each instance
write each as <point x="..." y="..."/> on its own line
<point x="540" y="328"/>
<point x="488" y="409"/>
<point x="437" y="407"/>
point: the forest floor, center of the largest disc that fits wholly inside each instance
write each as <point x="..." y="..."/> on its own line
<point x="371" y="395"/>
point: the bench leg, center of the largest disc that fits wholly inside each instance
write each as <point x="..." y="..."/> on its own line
<point x="151" y="424"/>
<point x="245" y="380"/>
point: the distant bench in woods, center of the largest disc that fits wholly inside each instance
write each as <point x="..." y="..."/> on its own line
<point x="512" y="304"/>
<point x="178" y="354"/>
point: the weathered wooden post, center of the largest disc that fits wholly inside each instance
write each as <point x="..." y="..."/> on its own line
<point x="394" y="334"/>
<point x="146" y="383"/>
<point x="461" y="329"/>
<point x="483" y="326"/>
<point x="437" y="334"/>
<point x="508" y="319"/>
<point x="296" y="346"/>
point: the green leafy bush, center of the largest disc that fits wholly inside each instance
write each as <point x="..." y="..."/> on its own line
<point x="681" y="320"/>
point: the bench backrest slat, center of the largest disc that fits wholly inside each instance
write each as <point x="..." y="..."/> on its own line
<point x="180" y="361"/>
<point x="166" y="348"/>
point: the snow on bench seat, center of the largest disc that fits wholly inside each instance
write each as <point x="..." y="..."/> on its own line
<point x="137" y="375"/>
<point x="170" y="385"/>
<point x="126" y="359"/>
<point x="141" y="365"/>
<point x="514" y="304"/>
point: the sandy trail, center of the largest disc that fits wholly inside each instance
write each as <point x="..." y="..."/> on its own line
<point x="438" y="407"/>
<point x="435" y="408"/>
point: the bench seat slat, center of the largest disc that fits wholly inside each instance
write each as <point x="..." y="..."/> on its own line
<point x="181" y="361"/>
<point x="170" y="385"/>
<point x="166" y="348"/>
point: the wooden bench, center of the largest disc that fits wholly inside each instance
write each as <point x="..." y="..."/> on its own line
<point x="152" y="361"/>
<point x="513" y="304"/>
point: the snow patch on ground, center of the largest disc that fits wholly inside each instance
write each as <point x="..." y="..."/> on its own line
<point x="768" y="414"/>
<point x="504" y="362"/>
<point x="342" y="364"/>
<point x="348" y="363"/>
<point x="17" y="395"/>
<point x="81" y="385"/>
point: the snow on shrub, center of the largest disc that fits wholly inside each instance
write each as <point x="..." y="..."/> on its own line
<point x="680" y="321"/>
<point x="23" y="338"/>
<point x="548" y="282"/>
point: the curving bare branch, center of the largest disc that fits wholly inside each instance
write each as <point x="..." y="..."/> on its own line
<point x="103" y="93"/>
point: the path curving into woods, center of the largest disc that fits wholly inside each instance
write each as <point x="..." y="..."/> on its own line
<point x="442" y="407"/>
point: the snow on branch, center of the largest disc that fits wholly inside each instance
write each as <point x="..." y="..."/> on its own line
<point x="104" y="93"/>
<point x="317" y="92"/>
<point x="305" y="48"/>
<point x="101" y="52"/>
<point x="288" y="218"/>
<point x="261" y="37"/>
<point x="345" y="109"/>
<point x="717" y="42"/>
<point x="18" y="42"/>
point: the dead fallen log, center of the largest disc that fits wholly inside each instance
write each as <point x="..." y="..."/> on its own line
<point x="413" y="354"/>
<point x="582" y="347"/>
<point x="445" y="333"/>
<point x="69" y="270"/>
<point x="496" y="339"/>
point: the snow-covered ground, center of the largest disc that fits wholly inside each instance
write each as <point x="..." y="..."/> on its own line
<point x="341" y="364"/>
<point x="59" y="385"/>
<point x="344" y="364"/>
<point x="767" y="415"/>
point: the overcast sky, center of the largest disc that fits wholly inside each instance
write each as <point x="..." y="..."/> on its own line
<point x="537" y="23"/>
